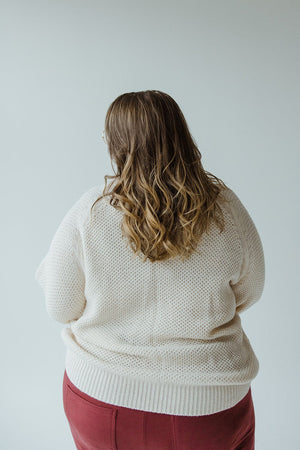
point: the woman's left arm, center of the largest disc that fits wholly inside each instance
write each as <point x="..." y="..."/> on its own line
<point x="61" y="274"/>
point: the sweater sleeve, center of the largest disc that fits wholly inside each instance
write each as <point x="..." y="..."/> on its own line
<point x="61" y="274"/>
<point x="249" y="287"/>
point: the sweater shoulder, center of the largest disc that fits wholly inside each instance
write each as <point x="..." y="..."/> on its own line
<point x="91" y="194"/>
<point x="249" y="236"/>
<point x="83" y="205"/>
<point x="239" y="210"/>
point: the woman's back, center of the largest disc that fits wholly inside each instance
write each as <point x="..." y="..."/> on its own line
<point x="152" y="276"/>
<point x="166" y="336"/>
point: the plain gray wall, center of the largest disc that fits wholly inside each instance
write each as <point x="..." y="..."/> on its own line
<point x="233" y="68"/>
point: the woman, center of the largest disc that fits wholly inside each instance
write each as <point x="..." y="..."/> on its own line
<point x="152" y="273"/>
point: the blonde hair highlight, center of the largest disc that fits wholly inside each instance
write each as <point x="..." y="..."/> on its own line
<point x="169" y="201"/>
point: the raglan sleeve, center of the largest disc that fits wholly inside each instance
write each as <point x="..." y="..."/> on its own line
<point x="61" y="271"/>
<point x="249" y="288"/>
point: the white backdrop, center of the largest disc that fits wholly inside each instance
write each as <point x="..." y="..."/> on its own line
<point x="233" y="68"/>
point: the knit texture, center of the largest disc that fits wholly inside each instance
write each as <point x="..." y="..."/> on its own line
<point x="166" y="336"/>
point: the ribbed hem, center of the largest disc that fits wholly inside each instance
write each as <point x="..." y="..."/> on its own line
<point x="149" y="396"/>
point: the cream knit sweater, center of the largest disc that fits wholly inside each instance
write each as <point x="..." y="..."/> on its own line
<point x="166" y="336"/>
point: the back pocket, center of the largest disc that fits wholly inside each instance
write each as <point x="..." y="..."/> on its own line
<point x="93" y="426"/>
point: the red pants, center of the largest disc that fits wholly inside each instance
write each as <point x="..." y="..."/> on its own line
<point x="96" y="425"/>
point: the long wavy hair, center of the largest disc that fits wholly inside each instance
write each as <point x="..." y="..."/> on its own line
<point x="167" y="198"/>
